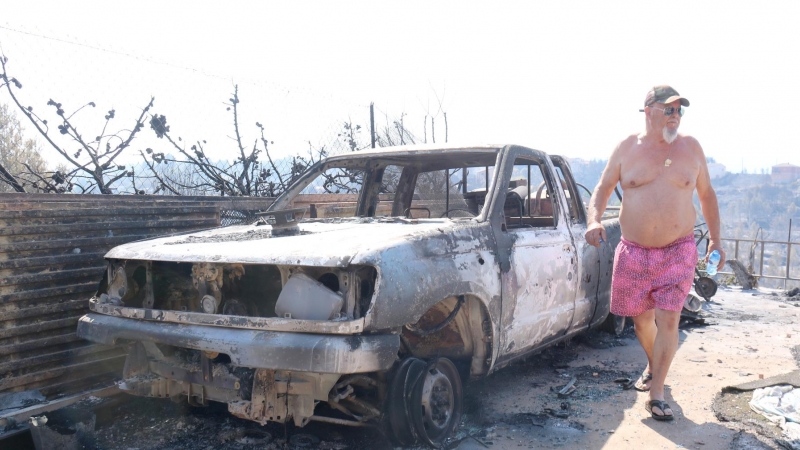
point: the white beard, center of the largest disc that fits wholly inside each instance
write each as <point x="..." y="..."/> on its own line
<point x="670" y="135"/>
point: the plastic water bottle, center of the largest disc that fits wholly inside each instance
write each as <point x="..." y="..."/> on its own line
<point x="713" y="261"/>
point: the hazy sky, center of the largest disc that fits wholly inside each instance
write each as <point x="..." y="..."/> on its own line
<point x="564" y="77"/>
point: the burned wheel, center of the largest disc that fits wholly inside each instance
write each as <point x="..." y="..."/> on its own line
<point x="705" y="287"/>
<point x="614" y="324"/>
<point x="407" y="373"/>
<point x="436" y="402"/>
<point x="424" y="401"/>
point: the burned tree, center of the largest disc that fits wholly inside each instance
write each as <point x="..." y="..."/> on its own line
<point x="253" y="173"/>
<point x="92" y="161"/>
<point x="94" y="165"/>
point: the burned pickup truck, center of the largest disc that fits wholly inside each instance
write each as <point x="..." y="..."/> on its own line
<point x="364" y="294"/>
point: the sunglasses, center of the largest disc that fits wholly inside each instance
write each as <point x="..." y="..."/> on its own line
<point x="670" y="110"/>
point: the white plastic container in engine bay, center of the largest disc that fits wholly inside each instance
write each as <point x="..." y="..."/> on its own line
<point x="305" y="298"/>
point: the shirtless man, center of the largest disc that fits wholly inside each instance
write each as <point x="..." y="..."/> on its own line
<point x="658" y="170"/>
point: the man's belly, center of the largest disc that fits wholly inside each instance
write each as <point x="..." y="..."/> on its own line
<point x="654" y="221"/>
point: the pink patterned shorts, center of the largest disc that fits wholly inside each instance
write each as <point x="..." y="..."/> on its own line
<point x="647" y="277"/>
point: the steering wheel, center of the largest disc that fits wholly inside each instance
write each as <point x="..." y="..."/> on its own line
<point x="456" y="209"/>
<point x="616" y="191"/>
<point x="538" y="209"/>
<point x="513" y="196"/>
<point x="585" y="189"/>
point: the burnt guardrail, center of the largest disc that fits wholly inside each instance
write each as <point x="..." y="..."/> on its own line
<point x="757" y="250"/>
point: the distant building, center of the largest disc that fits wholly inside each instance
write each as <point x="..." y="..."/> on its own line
<point x="716" y="170"/>
<point x="785" y="173"/>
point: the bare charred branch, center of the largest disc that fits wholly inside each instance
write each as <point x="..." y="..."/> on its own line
<point x="243" y="180"/>
<point x="162" y="183"/>
<point x="269" y="158"/>
<point x="9" y="179"/>
<point x="245" y="176"/>
<point x="32" y="118"/>
<point x="99" y="159"/>
<point x="49" y="182"/>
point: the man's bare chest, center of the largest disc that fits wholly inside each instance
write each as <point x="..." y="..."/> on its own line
<point x="675" y="170"/>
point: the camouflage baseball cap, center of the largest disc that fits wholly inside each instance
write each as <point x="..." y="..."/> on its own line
<point x="664" y="94"/>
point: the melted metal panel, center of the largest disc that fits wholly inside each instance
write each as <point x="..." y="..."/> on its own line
<point x="430" y="267"/>
<point x="540" y="289"/>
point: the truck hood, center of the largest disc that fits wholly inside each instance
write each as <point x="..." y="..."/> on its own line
<point x="326" y="242"/>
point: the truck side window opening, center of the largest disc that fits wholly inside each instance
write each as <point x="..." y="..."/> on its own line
<point x="344" y="183"/>
<point x="529" y="202"/>
<point x="458" y="192"/>
<point x="572" y="197"/>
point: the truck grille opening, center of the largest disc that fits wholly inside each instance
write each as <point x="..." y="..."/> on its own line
<point x="252" y="290"/>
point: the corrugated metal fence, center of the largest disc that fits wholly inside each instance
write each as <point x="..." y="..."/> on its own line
<point x="51" y="260"/>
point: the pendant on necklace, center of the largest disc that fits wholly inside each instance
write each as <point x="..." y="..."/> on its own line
<point x="667" y="162"/>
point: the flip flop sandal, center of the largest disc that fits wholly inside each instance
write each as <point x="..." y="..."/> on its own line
<point x="663" y="406"/>
<point x="639" y="384"/>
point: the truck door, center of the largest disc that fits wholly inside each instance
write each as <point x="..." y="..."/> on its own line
<point x="540" y="286"/>
<point x="588" y="256"/>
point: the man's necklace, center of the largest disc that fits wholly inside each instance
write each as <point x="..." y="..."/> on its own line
<point x="668" y="161"/>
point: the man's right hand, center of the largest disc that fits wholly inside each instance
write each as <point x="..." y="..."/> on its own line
<point x="595" y="233"/>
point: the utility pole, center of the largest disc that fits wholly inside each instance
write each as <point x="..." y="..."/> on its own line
<point x="402" y="130"/>
<point x="372" y="122"/>
<point x="445" y="128"/>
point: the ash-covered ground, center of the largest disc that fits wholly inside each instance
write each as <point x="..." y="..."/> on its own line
<point x="744" y="335"/>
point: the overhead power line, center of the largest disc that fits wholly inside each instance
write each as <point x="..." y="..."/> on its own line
<point x="177" y="66"/>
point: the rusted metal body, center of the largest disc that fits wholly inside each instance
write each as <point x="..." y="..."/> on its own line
<point x="52" y="251"/>
<point x="511" y="275"/>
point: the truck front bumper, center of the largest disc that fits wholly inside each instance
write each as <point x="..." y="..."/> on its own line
<point x="303" y="352"/>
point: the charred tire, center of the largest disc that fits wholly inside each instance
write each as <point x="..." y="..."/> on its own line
<point x="705" y="287"/>
<point x="407" y="373"/>
<point x="614" y="324"/>
<point x="424" y="402"/>
<point x="436" y="402"/>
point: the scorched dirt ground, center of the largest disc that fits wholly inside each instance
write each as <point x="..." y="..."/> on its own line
<point x="745" y="335"/>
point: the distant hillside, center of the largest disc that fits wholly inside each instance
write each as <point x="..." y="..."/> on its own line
<point x="586" y="172"/>
<point x="746" y="201"/>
